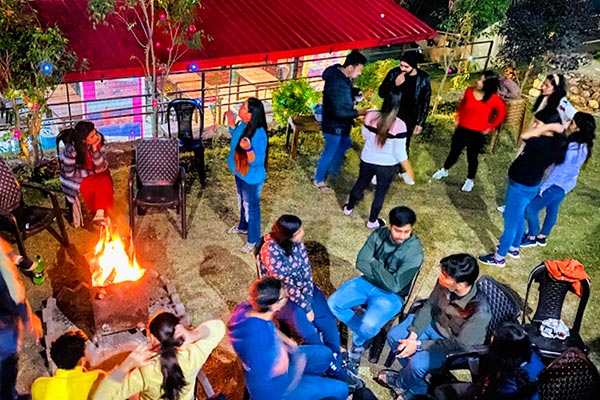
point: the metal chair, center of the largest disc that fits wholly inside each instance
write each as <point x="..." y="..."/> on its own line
<point x="571" y="376"/>
<point x="552" y="294"/>
<point x="23" y="220"/>
<point x="184" y="111"/>
<point x="64" y="137"/>
<point x="156" y="179"/>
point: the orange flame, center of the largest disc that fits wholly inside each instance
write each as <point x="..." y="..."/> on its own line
<point x="111" y="263"/>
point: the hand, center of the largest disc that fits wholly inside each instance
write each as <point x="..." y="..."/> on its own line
<point x="406" y="348"/>
<point x="182" y="332"/>
<point x="140" y="357"/>
<point x="230" y="115"/>
<point x="245" y="143"/>
<point x="310" y="316"/>
<point x="96" y="143"/>
<point x="400" y="79"/>
<point x="35" y="327"/>
<point x="418" y="129"/>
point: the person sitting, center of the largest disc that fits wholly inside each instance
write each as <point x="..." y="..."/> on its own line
<point x="85" y="170"/>
<point x="71" y="381"/>
<point x="276" y="368"/>
<point x="165" y="368"/>
<point x="389" y="260"/>
<point x="455" y="316"/>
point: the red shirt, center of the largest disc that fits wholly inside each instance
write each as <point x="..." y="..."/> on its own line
<point x="476" y="115"/>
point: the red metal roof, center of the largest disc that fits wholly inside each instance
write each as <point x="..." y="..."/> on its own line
<point x="242" y="32"/>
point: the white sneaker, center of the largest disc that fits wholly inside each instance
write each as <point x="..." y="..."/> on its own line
<point x="347" y="211"/>
<point x="377" y="224"/>
<point x="468" y="185"/>
<point x="501" y="208"/>
<point x="374" y="180"/>
<point x="440" y="173"/>
<point x="99" y="217"/>
<point x="407" y="180"/>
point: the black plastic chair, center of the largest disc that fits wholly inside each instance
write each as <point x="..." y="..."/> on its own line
<point x="156" y="179"/>
<point x="552" y="294"/>
<point x="571" y="376"/>
<point x="184" y="111"/>
<point x="23" y="220"/>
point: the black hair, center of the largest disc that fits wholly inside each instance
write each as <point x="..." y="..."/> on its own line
<point x="491" y="82"/>
<point x="68" y="349"/>
<point x="585" y="133"/>
<point x="354" y="58"/>
<point x="402" y="215"/>
<point x="77" y="139"/>
<point x="461" y="267"/>
<point x="264" y="292"/>
<point x="257" y="120"/>
<point x="284" y="229"/>
<point x="549" y="113"/>
<point x="162" y="326"/>
<point x="387" y="116"/>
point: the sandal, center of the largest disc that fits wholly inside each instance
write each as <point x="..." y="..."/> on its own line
<point x="323" y="187"/>
<point x="248" y="248"/>
<point x="385" y="376"/>
<point x="235" y="230"/>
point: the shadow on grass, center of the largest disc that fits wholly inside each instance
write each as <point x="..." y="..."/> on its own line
<point x="321" y="262"/>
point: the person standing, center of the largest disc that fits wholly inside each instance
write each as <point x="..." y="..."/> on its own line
<point x="414" y="85"/>
<point x="479" y="113"/>
<point x="246" y="159"/>
<point x="338" y="116"/>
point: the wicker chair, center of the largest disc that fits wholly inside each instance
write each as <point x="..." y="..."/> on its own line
<point x="184" y="111"/>
<point x="552" y="294"/>
<point x="23" y="220"/>
<point x="571" y="376"/>
<point x="156" y="179"/>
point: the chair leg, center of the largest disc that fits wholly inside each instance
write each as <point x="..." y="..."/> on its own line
<point x="132" y="208"/>
<point x="377" y="345"/>
<point x="199" y="161"/>
<point x="343" y="329"/>
<point x="20" y="243"/>
<point x="391" y="357"/>
<point x="182" y="205"/>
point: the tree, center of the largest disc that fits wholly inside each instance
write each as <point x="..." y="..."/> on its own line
<point x="471" y="17"/>
<point x="165" y="29"/>
<point x="33" y="60"/>
<point x="545" y="29"/>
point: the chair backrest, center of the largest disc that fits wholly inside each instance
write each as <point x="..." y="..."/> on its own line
<point x="184" y="111"/>
<point x="10" y="190"/>
<point x="552" y="295"/>
<point x="63" y="137"/>
<point x="504" y="305"/>
<point x="157" y="161"/>
<point x="257" y="260"/>
<point x="571" y="376"/>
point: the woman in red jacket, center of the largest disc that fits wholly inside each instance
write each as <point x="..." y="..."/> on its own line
<point x="479" y="113"/>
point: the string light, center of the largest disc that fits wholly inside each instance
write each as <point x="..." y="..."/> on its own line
<point x="193" y="67"/>
<point x="46" y="67"/>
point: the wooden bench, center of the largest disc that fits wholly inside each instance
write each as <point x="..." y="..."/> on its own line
<point x="301" y="123"/>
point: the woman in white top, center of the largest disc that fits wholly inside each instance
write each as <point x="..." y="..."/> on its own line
<point x="384" y="149"/>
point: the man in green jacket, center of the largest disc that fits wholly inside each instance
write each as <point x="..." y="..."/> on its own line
<point x="389" y="260"/>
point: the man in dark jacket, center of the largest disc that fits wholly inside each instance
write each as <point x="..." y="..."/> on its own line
<point x="389" y="260"/>
<point x="338" y="116"/>
<point x="414" y="86"/>
<point x="454" y="317"/>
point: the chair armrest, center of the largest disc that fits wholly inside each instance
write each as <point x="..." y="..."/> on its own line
<point x="181" y="177"/>
<point x="415" y="306"/>
<point x="39" y="187"/>
<point x="475" y="352"/>
<point x="9" y="217"/>
<point x="131" y="179"/>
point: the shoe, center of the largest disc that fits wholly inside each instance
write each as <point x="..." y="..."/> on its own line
<point x="234" y="229"/>
<point x="406" y="179"/>
<point x="516" y="254"/>
<point x="25" y="264"/>
<point x="99" y="217"/>
<point x="387" y="378"/>
<point x="248" y="247"/>
<point x="501" y="208"/>
<point x="541" y="241"/>
<point x="527" y="242"/>
<point x="468" y="185"/>
<point x="354" y="355"/>
<point x="490" y="259"/>
<point x="347" y="211"/>
<point x="377" y="224"/>
<point x="323" y="187"/>
<point x="440" y="173"/>
<point x="374" y="180"/>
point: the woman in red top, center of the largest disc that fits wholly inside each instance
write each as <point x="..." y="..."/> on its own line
<point x="479" y="113"/>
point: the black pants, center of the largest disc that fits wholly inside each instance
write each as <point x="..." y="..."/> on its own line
<point x="8" y="377"/>
<point x="473" y="141"/>
<point x="385" y="176"/>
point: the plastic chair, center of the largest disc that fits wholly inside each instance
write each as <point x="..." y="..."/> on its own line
<point x="184" y="111"/>
<point x="552" y="294"/>
<point x="156" y="179"/>
<point x="23" y="220"/>
<point x="571" y="376"/>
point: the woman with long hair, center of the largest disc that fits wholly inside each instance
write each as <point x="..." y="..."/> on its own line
<point x="247" y="154"/>
<point x="84" y="170"/>
<point x="384" y="149"/>
<point x="165" y="368"/>
<point x="561" y="179"/>
<point x="479" y="113"/>
<point x="552" y="104"/>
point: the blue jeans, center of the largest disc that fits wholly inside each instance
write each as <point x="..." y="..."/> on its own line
<point x="415" y="367"/>
<point x="550" y="199"/>
<point x="382" y="306"/>
<point x="332" y="157"/>
<point x="9" y="338"/>
<point x="295" y="318"/>
<point x="518" y="198"/>
<point x="249" y="202"/>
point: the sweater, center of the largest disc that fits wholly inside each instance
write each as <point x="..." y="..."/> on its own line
<point x="293" y="271"/>
<point x="257" y="172"/>
<point x="338" y="102"/>
<point x="393" y="151"/>
<point x="66" y="384"/>
<point x="477" y="116"/>
<point x="461" y="321"/>
<point x="390" y="265"/>
<point x="71" y="175"/>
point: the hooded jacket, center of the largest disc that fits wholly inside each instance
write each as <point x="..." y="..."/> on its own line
<point x="338" y="103"/>
<point x="422" y="91"/>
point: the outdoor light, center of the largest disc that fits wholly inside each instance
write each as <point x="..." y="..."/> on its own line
<point x="469" y="58"/>
<point x="46" y="67"/>
<point x="193" y="67"/>
<point x="162" y="16"/>
<point x="157" y="44"/>
<point x="198" y="102"/>
<point x="154" y="103"/>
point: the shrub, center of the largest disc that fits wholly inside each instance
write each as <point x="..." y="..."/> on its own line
<point x="293" y="98"/>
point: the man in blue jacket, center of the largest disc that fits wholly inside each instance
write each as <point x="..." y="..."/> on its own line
<point x="338" y="116"/>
